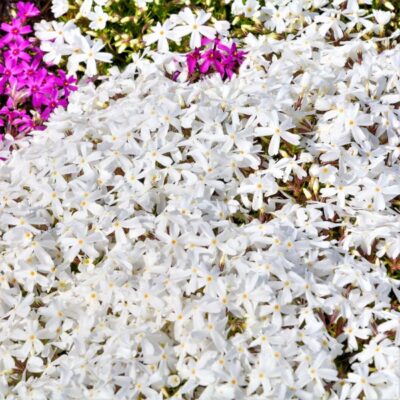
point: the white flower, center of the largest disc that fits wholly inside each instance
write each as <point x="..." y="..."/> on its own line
<point x="354" y="120"/>
<point x="277" y="129"/>
<point x="54" y="52"/>
<point x="59" y="7"/>
<point x="275" y="18"/>
<point x="161" y="34"/>
<point x="380" y="191"/>
<point x="195" y="26"/>
<point x="81" y="241"/>
<point x="351" y="332"/>
<point x="378" y="350"/>
<point x="316" y="373"/>
<point x="259" y="186"/>
<point x="59" y="40"/>
<point x="326" y="173"/>
<point x="341" y="190"/>
<point x="259" y="377"/>
<point x="330" y="20"/>
<point x="98" y="18"/>
<point x="89" y="53"/>
<point x="54" y="31"/>
<point x="364" y="381"/>
<point x="250" y="8"/>
<point x="382" y="17"/>
<point x="222" y="27"/>
<point x="30" y="334"/>
<point x="86" y="7"/>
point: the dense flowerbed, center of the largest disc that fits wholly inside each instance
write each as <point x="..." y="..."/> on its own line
<point x="218" y="219"/>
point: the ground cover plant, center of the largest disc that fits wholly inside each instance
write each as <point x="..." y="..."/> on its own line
<point x="215" y="214"/>
<point x="30" y="89"/>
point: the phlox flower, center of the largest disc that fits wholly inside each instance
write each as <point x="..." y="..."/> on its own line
<point x="354" y="120"/>
<point x="23" y="73"/>
<point x="31" y="334"/>
<point x="16" y="50"/>
<point x="379" y="191"/>
<point x="161" y="33"/>
<point x="211" y="57"/>
<point x="10" y="68"/>
<point x="352" y="332"/>
<point x="59" y="7"/>
<point x="250" y="8"/>
<point x="98" y="18"/>
<point x="192" y="59"/>
<point x="195" y="26"/>
<point x="364" y="381"/>
<point x="382" y="17"/>
<point x="259" y="185"/>
<point x="90" y="53"/>
<point x="14" y="30"/>
<point x="341" y="190"/>
<point x="316" y="373"/>
<point x="82" y="241"/>
<point x="216" y="57"/>
<point x="52" y="101"/>
<point x="28" y="123"/>
<point x="232" y="59"/>
<point x="54" y="31"/>
<point x="67" y="83"/>
<point x="26" y="10"/>
<point x="378" y="350"/>
<point x="277" y="129"/>
<point x="38" y="87"/>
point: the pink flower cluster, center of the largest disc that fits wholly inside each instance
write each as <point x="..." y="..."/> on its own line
<point x="29" y="90"/>
<point x="214" y="56"/>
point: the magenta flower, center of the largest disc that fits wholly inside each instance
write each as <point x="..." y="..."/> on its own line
<point x="26" y="10"/>
<point x="233" y="53"/>
<point x="30" y="89"/>
<point x="67" y="83"/>
<point x="9" y="69"/>
<point x="52" y="102"/>
<point x="233" y="58"/>
<point x="205" y="41"/>
<point x="39" y="87"/>
<point x="216" y="57"/>
<point x="27" y="124"/>
<point x="31" y="68"/>
<point x="15" y="30"/>
<point x="13" y="117"/>
<point x="17" y="50"/>
<point x="192" y="60"/>
<point x="212" y="58"/>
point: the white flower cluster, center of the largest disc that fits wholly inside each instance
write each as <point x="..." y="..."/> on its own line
<point x="59" y="39"/>
<point x="91" y="9"/>
<point x="183" y="24"/>
<point x="153" y="244"/>
<point x="277" y="16"/>
<point x="340" y="16"/>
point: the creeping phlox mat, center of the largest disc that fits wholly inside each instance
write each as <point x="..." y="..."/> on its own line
<point x="221" y="223"/>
